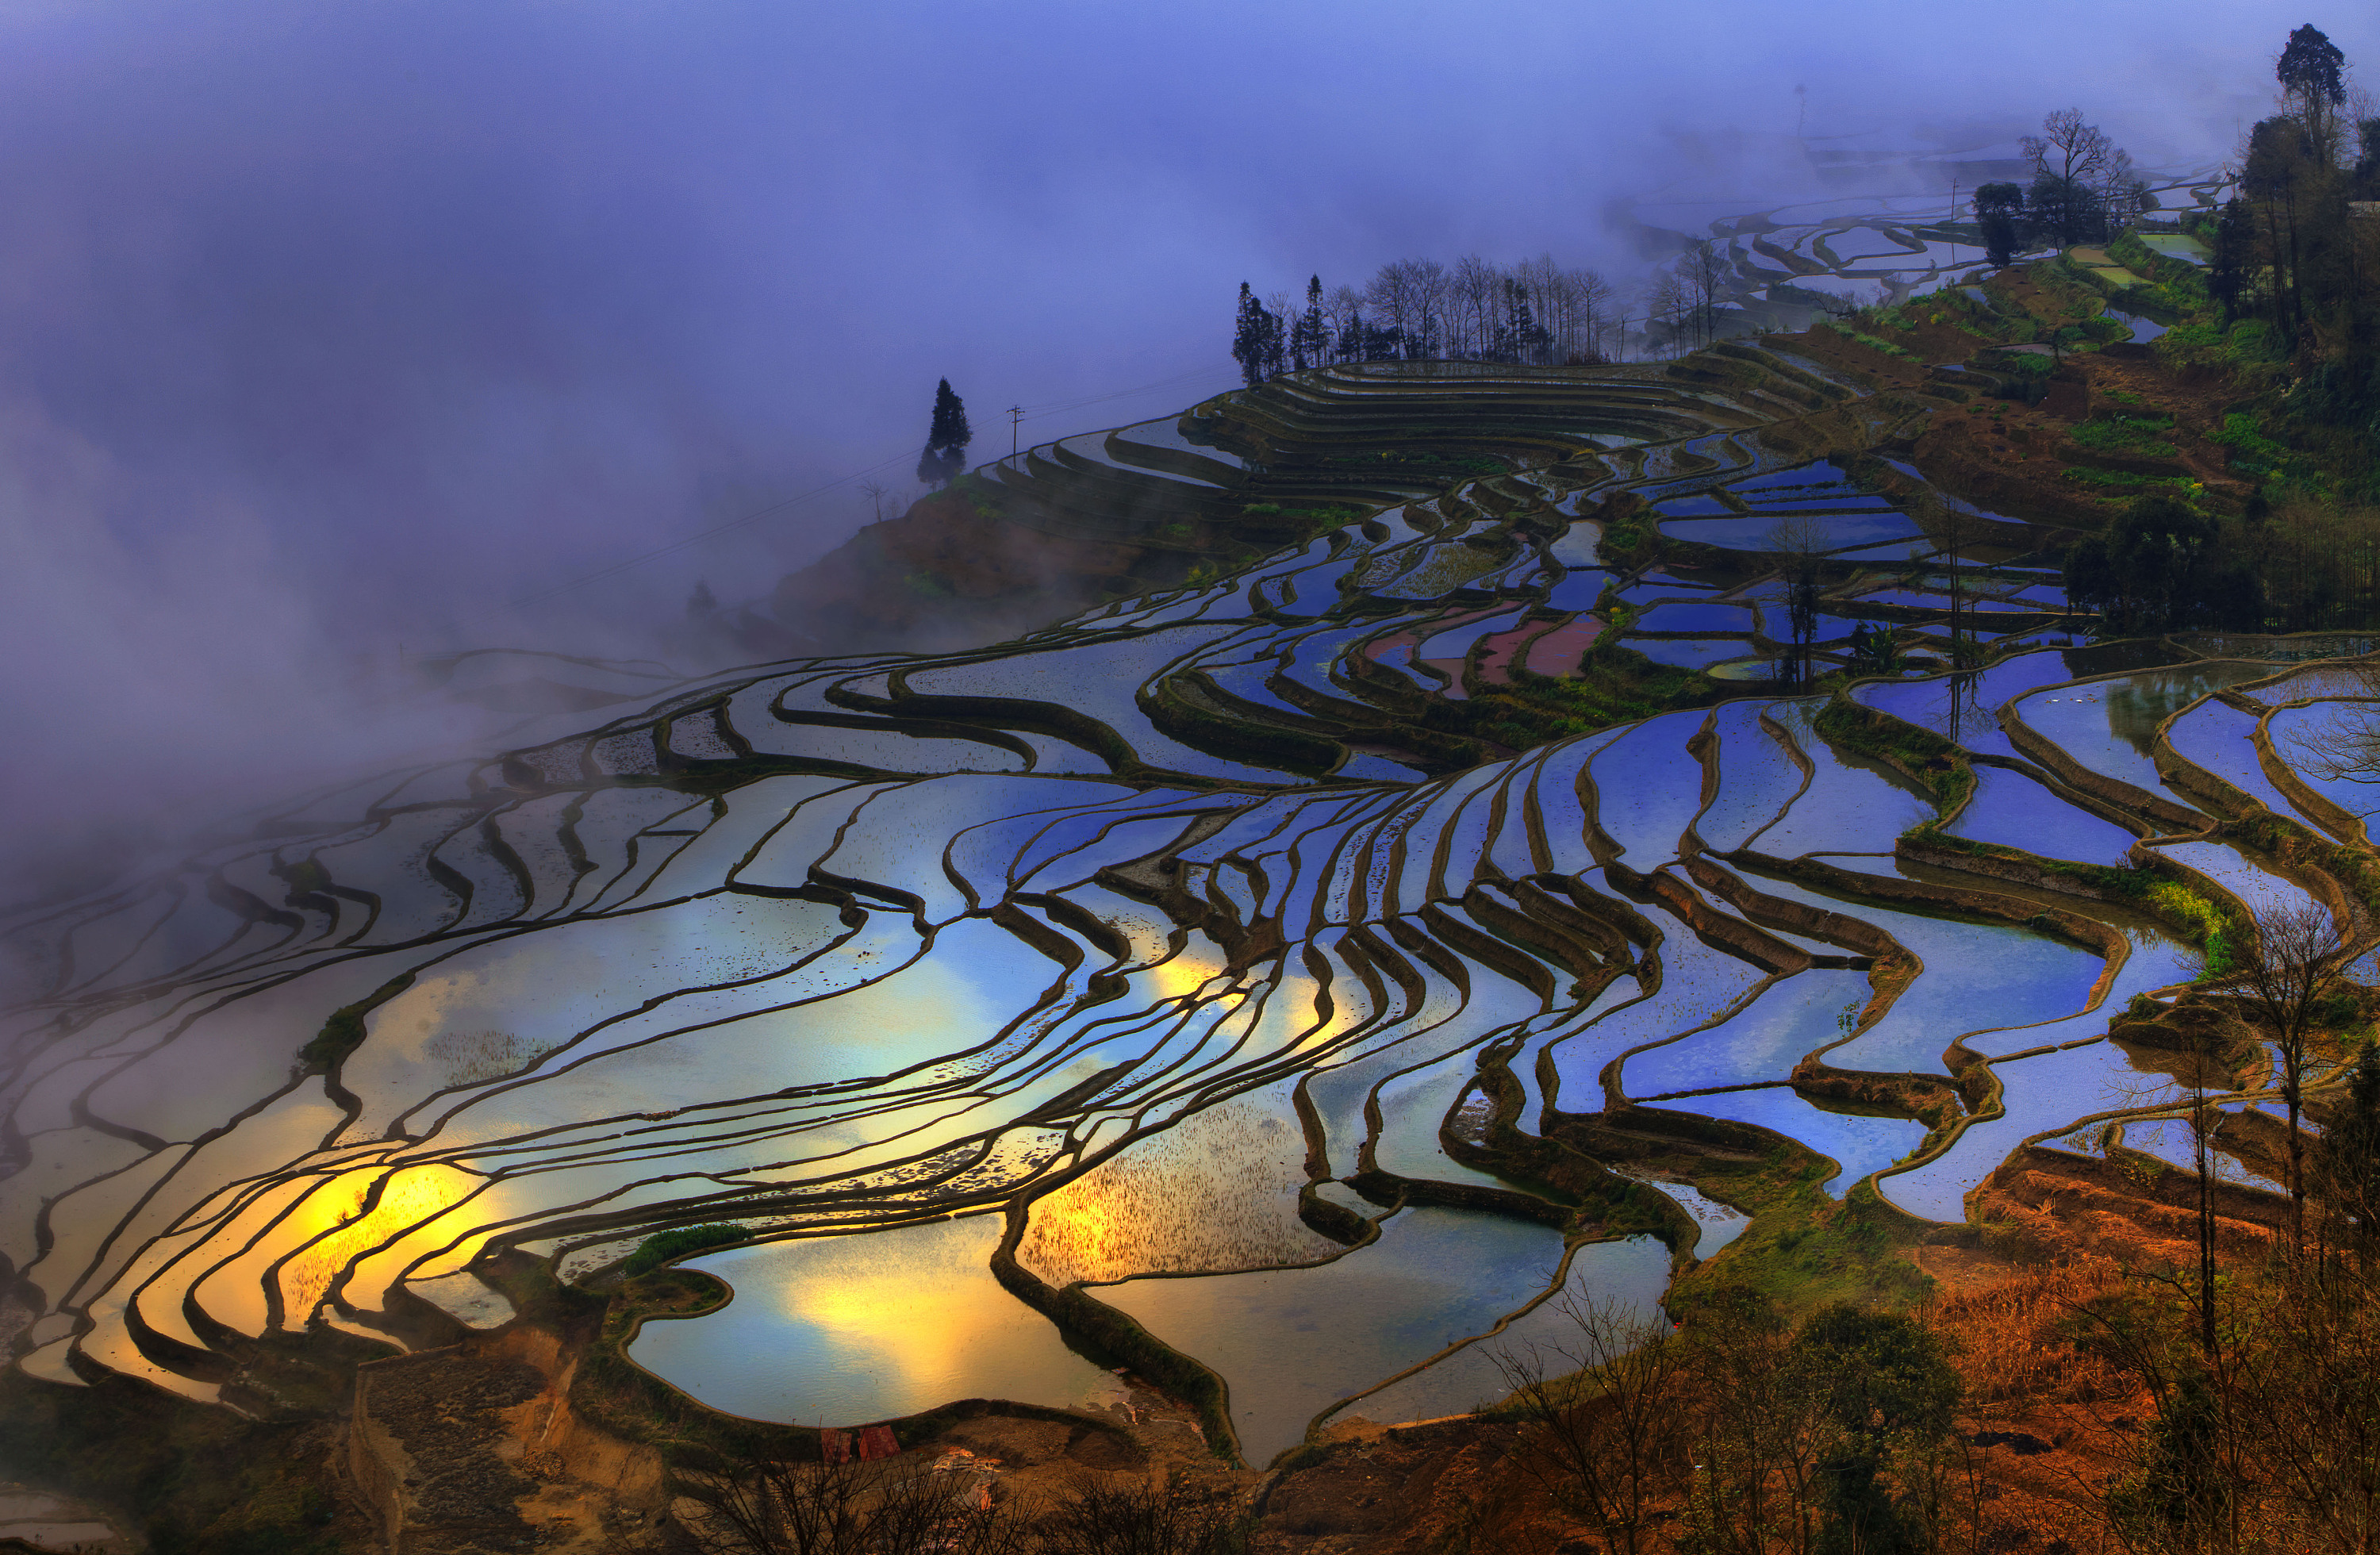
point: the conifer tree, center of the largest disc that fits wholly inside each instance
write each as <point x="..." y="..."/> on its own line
<point x="1518" y="334"/>
<point x="2313" y="76"/>
<point x="946" y="438"/>
<point x="1249" y="338"/>
<point x="1311" y="340"/>
<point x="1349" y="347"/>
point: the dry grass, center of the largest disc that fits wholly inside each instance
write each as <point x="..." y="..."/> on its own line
<point x="2014" y="1337"/>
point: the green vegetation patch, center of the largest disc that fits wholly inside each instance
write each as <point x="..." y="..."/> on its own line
<point x="1924" y="755"/>
<point x="977" y="492"/>
<point x="2139" y="436"/>
<point x="2252" y="453"/>
<point x="1614" y="686"/>
<point x="1803" y="1248"/>
<point x="342" y="1033"/>
<point x="662" y="1246"/>
<point x="1874" y="343"/>
<point x="1434" y="464"/>
<point x="1310" y="518"/>
<point x="2182" y="486"/>
<point x="2205" y="923"/>
<point x="1810" y="1254"/>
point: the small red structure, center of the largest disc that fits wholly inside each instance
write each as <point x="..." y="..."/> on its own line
<point x="875" y="1442"/>
<point x="835" y="1446"/>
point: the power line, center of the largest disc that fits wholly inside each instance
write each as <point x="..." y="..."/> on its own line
<point x="1053" y="407"/>
<point x="711" y="533"/>
<point x="1019" y="413"/>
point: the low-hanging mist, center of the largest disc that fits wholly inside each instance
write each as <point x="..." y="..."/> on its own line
<point x="327" y="337"/>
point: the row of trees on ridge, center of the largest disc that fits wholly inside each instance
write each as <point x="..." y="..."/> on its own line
<point x="1417" y="310"/>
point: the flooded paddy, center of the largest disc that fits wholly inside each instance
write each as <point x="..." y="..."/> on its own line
<point x="1293" y="1342"/>
<point x="1137" y="929"/>
<point x="847" y="1330"/>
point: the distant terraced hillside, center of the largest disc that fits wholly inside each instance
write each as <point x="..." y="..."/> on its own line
<point x="1148" y="506"/>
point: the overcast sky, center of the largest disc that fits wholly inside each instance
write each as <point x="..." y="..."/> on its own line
<point x="329" y="326"/>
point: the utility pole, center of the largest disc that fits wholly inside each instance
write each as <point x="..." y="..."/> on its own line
<point x="1954" y="223"/>
<point x="1015" y="415"/>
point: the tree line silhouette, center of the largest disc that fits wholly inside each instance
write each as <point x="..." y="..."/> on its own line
<point x="1419" y="309"/>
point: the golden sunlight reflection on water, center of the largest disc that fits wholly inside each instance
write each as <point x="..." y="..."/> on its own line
<point x="334" y="1215"/>
<point x="1216" y="1191"/>
<point x="847" y="1330"/>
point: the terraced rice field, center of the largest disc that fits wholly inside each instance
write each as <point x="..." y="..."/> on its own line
<point x="1164" y="957"/>
<point x="1854" y="248"/>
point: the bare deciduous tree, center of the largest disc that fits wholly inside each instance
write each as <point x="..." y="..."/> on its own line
<point x="1701" y="271"/>
<point x="2068" y="147"/>
<point x="1098" y="1515"/>
<point x="1954" y="528"/>
<point x="775" y="1504"/>
<point x="1391" y="296"/>
<point x="2298" y="961"/>
<point x="1798" y="540"/>
<point x="2343" y="746"/>
<point x="1343" y="311"/>
<point x="1467" y="311"/>
<point x="1670" y="302"/>
<point x="1427" y="281"/>
<point x="1607" y="1443"/>
<point x="1588" y="302"/>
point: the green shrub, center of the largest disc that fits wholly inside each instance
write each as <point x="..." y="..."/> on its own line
<point x="2190" y="346"/>
<point x="2252" y="451"/>
<point x="1433" y="464"/>
<point x="343" y="1032"/>
<point x="1614" y="685"/>
<point x="661" y="1248"/>
<point x="2182" y="486"/>
<point x="1318" y="518"/>
<point x="2141" y="435"/>
<point x="979" y="494"/>
<point x="1925" y="755"/>
<point x="2136" y="256"/>
<point x="2253" y="340"/>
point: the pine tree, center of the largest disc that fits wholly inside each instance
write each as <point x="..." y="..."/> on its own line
<point x="1313" y="336"/>
<point x="1350" y="345"/>
<point x="1519" y="336"/>
<point x="946" y="440"/>
<point x="2312" y="76"/>
<point x="1249" y="338"/>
